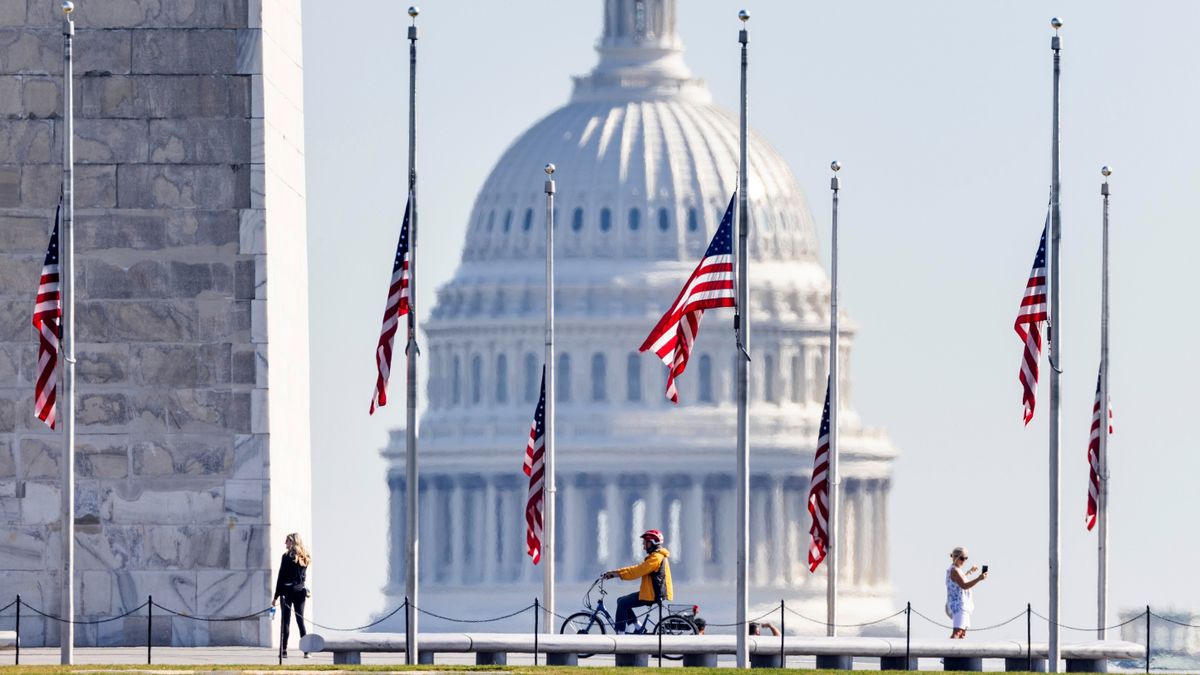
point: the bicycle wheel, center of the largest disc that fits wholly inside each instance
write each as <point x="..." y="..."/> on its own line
<point x="583" y="623"/>
<point x="675" y="624"/>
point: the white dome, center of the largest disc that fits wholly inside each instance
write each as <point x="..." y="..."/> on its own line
<point x="646" y="166"/>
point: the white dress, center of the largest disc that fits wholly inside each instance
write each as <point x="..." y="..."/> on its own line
<point x="959" y="603"/>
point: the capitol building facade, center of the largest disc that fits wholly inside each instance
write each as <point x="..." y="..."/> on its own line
<point x="646" y="166"/>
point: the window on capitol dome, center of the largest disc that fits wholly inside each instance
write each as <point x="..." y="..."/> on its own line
<point x="633" y="377"/>
<point x="563" y="386"/>
<point x="532" y="378"/>
<point x="599" y="378"/>
<point x="528" y="225"/>
<point x="664" y="220"/>
<point x="476" y="379"/>
<point x="605" y="219"/>
<point x="693" y="220"/>
<point x="577" y="219"/>
<point x="635" y="218"/>
<point x="508" y="216"/>
<point x="501" y="378"/>
<point x="705" y="379"/>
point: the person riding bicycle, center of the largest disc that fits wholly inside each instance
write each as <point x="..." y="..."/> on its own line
<point x="655" y="573"/>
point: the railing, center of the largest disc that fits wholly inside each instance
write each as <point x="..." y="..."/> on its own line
<point x="782" y="611"/>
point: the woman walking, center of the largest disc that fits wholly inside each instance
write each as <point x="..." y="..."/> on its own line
<point x="959" y="603"/>
<point x="289" y="586"/>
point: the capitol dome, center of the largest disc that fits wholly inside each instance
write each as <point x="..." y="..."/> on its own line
<point x="646" y="165"/>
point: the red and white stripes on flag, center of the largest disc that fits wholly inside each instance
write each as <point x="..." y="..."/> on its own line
<point x="47" y="319"/>
<point x="818" y="494"/>
<point x="1094" y="457"/>
<point x="397" y="306"/>
<point x="710" y="286"/>
<point x="1031" y="321"/>
<point x="535" y="468"/>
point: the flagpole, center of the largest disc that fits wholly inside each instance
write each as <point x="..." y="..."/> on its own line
<point x="1055" y="358"/>
<point x="741" y="327"/>
<point x="67" y="258"/>
<point x="1102" y="493"/>
<point x="411" y="351"/>
<point x="550" y="491"/>
<point x="831" y="526"/>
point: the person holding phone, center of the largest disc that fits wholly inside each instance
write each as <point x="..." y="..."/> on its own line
<point x="959" y="600"/>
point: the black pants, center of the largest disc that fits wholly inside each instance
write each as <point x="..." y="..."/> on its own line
<point x="292" y="599"/>
<point x="625" y="605"/>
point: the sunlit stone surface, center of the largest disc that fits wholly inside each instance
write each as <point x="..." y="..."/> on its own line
<point x="191" y="283"/>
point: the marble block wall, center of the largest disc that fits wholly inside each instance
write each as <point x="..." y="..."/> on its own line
<point x="193" y="455"/>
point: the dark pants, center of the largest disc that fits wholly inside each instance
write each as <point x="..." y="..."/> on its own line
<point x="290" y="599"/>
<point x="625" y="605"/>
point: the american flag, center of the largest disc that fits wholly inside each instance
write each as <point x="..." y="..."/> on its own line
<point x="818" y="494"/>
<point x="397" y="306"/>
<point x="1094" y="456"/>
<point x="710" y="286"/>
<point x="1030" y="322"/>
<point x="47" y="317"/>
<point x="535" y="468"/>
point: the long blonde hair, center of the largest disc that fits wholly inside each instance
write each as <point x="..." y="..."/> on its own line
<point x="299" y="551"/>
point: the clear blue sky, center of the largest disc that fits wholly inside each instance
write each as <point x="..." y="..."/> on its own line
<point x="940" y="114"/>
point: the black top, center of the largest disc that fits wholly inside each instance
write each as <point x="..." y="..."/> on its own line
<point x="291" y="576"/>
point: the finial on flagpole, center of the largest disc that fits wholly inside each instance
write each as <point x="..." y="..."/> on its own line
<point x="1056" y="23"/>
<point x="835" y="183"/>
<point x="413" y="11"/>
<point x="744" y="16"/>
<point x="549" y="169"/>
<point x="1056" y="43"/>
<point x="1105" y="171"/>
<point x="68" y="7"/>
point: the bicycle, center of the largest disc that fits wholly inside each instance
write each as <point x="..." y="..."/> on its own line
<point x="597" y="621"/>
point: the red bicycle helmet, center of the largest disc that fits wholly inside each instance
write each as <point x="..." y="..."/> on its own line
<point x="653" y="535"/>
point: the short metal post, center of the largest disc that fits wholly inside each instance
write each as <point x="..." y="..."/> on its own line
<point x="537" y="609"/>
<point x="283" y="643"/>
<point x="149" y="627"/>
<point x="659" y="630"/>
<point x="1147" y="638"/>
<point x="782" y="633"/>
<point x="18" y="659"/>
<point x="908" y="635"/>
<point x="407" y="637"/>
<point x="1029" y="636"/>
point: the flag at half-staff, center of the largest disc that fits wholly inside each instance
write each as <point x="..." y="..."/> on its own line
<point x="1094" y="455"/>
<point x="1030" y="324"/>
<point x="47" y="319"/>
<point x="397" y="306"/>
<point x="818" y="495"/>
<point x="710" y="286"/>
<point x="535" y="468"/>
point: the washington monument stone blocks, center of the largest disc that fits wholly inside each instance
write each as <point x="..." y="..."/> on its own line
<point x="193" y="446"/>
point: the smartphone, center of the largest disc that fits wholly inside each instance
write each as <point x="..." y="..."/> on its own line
<point x="985" y="569"/>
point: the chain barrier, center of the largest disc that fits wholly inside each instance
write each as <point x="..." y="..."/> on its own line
<point x="491" y="620"/>
<point x="1143" y="615"/>
<point x="86" y="623"/>
<point x="1139" y="617"/>
<point x="743" y="623"/>
<point x="5" y="608"/>
<point x="972" y="629"/>
<point x="212" y="618"/>
<point x="374" y="623"/>
<point x="845" y="625"/>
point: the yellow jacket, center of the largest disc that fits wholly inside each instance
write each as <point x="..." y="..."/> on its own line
<point x="646" y="569"/>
